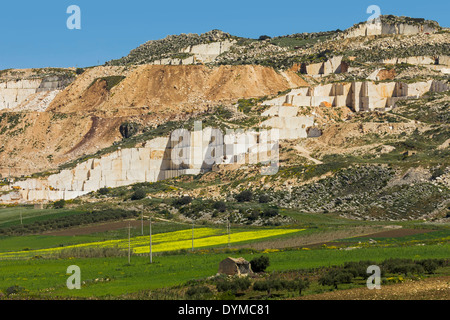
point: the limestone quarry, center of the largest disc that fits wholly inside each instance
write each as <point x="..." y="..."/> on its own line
<point x="309" y="99"/>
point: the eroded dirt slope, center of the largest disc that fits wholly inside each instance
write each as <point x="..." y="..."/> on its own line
<point x="86" y="116"/>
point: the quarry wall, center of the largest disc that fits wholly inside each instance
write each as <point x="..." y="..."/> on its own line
<point x="373" y="29"/>
<point x="159" y="159"/>
<point x="337" y="65"/>
<point x="202" y="53"/>
<point x="359" y="96"/>
<point x="15" y="92"/>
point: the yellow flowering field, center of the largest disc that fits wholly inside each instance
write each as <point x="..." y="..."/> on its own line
<point x="170" y="241"/>
<point x="215" y="240"/>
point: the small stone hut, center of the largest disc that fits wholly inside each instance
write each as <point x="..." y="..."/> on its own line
<point x="233" y="266"/>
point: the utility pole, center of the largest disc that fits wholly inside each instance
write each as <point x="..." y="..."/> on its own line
<point x="142" y="223"/>
<point x="129" y="243"/>
<point x="192" y="235"/>
<point x="151" y="254"/>
<point x="21" y="221"/>
<point x="228" y="231"/>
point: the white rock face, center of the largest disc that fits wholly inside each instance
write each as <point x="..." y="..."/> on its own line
<point x="360" y="96"/>
<point x="372" y="29"/>
<point x="290" y="127"/>
<point x="286" y="121"/>
<point x="333" y="65"/>
<point x="202" y="53"/>
<point x="209" y="52"/>
<point x="39" y="92"/>
<point x="161" y="158"/>
<point x="421" y="60"/>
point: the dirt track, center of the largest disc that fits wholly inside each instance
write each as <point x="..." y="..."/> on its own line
<point x="397" y="233"/>
<point x="435" y="288"/>
<point x="97" y="228"/>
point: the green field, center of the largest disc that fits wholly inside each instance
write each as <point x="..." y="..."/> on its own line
<point x="174" y="264"/>
<point x="49" y="276"/>
<point x="11" y="216"/>
<point x="164" y="242"/>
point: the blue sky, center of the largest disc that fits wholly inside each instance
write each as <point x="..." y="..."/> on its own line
<point x="34" y="33"/>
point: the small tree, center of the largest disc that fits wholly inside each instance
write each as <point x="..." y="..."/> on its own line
<point x="269" y="285"/>
<point x="59" y="204"/>
<point x="103" y="191"/>
<point x="264" y="37"/>
<point x="198" y="292"/>
<point x="14" y="290"/>
<point x="300" y="285"/>
<point x="264" y="198"/>
<point x="220" y="206"/>
<point x="260" y="264"/>
<point x="270" y="212"/>
<point x="234" y="286"/>
<point x="182" y="201"/>
<point x="244" y="196"/>
<point x="138" y="194"/>
<point x="336" y="277"/>
<point x="128" y="129"/>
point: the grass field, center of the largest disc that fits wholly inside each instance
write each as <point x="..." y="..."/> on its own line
<point x="115" y="277"/>
<point x="170" y="241"/>
<point x="12" y="216"/>
<point x="35" y="262"/>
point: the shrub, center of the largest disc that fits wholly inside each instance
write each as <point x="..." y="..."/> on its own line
<point x="79" y="71"/>
<point x="336" y="277"/>
<point x="59" y="204"/>
<point x="103" y="191"/>
<point x="244" y="196"/>
<point x="182" y="201"/>
<point x="220" y="206"/>
<point x="198" y="292"/>
<point x="408" y="268"/>
<point x="233" y="286"/>
<point x="270" y="212"/>
<point x="14" y="290"/>
<point x="260" y="264"/>
<point x="300" y="285"/>
<point x="429" y="265"/>
<point x="128" y="129"/>
<point x="279" y="284"/>
<point x="264" y="37"/>
<point x="436" y="173"/>
<point x="138" y="194"/>
<point x="358" y="269"/>
<point x="264" y="198"/>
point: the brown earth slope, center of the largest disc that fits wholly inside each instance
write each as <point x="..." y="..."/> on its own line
<point x="86" y="116"/>
<point x="170" y="88"/>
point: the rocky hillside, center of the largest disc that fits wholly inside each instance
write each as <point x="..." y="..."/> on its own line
<point x="395" y="37"/>
<point x="169" y="47"/>
<point x="363" y="117"/>
<point x="86" y="116"/>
